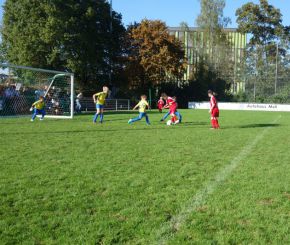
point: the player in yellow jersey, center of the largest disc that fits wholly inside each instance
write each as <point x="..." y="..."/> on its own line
<point x="38" y="107"/>
<point x="143" y="105"/>
<point x="99" y="100"/>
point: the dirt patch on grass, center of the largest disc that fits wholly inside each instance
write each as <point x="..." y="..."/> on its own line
<point x="287" y="194"/>
<point x="266" y="201"/>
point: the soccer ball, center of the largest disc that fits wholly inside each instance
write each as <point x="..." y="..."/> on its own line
<point x="168" y="123"/>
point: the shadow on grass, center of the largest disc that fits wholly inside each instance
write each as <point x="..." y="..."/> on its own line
<point x="125" y="112"/>
<point x="258" y="125"/>
<point x="81" y="131"/>
<point x="194" y="123"/>
<point x="82" y="117"/>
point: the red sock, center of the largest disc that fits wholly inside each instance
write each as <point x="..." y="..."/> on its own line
<point x="173" y="119"/>
<point x="213" y="123"/>
<point x="217" y="123"/>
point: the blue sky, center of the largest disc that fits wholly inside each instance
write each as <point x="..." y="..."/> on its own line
<point x="175" y="11"/>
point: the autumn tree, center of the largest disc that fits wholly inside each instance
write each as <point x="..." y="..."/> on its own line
<point x="154" y="56"/>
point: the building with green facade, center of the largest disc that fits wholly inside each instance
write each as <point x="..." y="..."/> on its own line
<point x="192" y="38"/>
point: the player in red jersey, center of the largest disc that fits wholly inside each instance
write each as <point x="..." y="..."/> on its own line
<point x="172" y="105"/>
<point x="214" y="110"/>
<point x="179" y="116"/>
<point x="160" y="104"/>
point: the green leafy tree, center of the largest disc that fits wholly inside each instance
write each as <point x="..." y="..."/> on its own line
<point x="211" y="19"/>
<point x="266" y="53"/>
<point x="214" y="51"/>
<point x="214" y="43"/>
<point x="262" y="20"/>
<point x="68" y="35"/>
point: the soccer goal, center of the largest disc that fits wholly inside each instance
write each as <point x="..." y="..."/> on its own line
<point x="20" y="86"/>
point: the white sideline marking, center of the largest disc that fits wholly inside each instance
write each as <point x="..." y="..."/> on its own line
<point x="163" y="234"/>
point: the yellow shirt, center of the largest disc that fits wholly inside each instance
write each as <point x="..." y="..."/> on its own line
<point x="142" y="105"/>
<point x="39" y="105"/>
<point x="101" y="98"/>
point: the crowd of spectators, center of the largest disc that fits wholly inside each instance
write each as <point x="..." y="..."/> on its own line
<point x="11" y="97"/>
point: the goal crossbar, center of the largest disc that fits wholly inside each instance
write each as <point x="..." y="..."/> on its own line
<point x="6" y="65"/>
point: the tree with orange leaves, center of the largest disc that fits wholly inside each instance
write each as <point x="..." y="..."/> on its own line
<point x="154" y="56"/>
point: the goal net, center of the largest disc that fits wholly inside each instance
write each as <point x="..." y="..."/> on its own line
<point x="21" y="86"/>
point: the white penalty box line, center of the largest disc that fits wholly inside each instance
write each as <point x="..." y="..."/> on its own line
<point x="169" y="229"/>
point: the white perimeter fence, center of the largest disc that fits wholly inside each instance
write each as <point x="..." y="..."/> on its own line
<point x="241" y="106"/>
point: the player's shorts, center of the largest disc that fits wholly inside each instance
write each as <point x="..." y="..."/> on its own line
<point x="38" y="111"/>
<point x="99" y="106"/>
<point x="172" y="110"/>
<point x="215" y="112"/>
<point x="142" y="114"/>
<point x="160" y="107"/>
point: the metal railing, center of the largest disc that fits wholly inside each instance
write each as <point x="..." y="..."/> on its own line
<point x="87" y="105"/>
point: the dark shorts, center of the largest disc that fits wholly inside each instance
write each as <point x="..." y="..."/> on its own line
<point x="38" y="111"/>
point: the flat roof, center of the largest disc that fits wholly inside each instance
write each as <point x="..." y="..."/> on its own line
<point x="197" y="29"/>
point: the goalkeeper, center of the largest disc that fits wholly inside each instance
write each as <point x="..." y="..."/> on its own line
<point x="38" y="108"/>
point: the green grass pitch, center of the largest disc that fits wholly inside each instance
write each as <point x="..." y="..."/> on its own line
<point x="72" y="182"/>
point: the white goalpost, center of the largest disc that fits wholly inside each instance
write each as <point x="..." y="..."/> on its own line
<point x="20" y="86"/>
